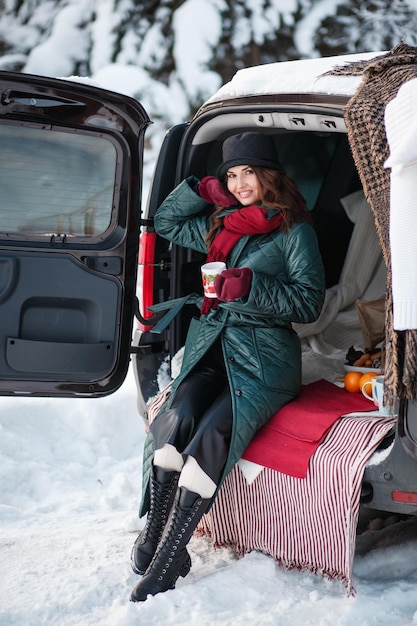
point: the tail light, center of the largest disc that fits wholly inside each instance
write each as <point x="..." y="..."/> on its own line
<point x="404" y="496"/>
<point x="146" y="275"/>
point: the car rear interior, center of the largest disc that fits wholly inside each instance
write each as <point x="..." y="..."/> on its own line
<point x="323" y="167"/>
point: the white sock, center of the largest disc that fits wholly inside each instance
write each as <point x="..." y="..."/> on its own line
<point x="194" y="479"/>
<point x="168" y="458"/>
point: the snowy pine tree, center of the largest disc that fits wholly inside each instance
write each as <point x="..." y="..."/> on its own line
<point x="221" y="36"/>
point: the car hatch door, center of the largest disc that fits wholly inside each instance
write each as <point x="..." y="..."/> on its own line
<point x="70" y="188"/>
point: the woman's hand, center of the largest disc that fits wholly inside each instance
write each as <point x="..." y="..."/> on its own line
<point x="213" y="191"/>
<point x="233" y="283"/>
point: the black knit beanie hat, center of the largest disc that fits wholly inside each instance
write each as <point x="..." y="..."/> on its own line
<point x="249" y="149"/>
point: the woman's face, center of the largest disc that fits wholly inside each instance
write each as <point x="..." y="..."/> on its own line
<point x="243" y="183"/>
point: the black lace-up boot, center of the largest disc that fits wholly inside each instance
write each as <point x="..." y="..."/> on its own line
<point x="163" y="489"/>
<point x="171" y="559"/>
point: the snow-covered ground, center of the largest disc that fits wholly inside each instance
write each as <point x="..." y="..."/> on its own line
<point x="69" y="490"/>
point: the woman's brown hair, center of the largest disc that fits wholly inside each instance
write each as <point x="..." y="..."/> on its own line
<point x="278" y="191"/>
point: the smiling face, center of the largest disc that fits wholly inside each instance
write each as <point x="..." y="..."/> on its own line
<point x="243" y="183"/>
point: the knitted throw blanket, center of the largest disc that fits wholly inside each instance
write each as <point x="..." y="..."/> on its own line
<point x="364" y="117"/>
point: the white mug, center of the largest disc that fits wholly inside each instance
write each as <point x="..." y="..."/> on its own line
<point x="377" y="395"/>
<point x="209" y="272"/>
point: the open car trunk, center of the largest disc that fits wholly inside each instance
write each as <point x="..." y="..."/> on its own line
<point x="308" y="124"/>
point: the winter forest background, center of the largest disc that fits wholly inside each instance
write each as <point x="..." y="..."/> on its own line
<point x="173" y="54"/>
<point x="221" y="36"/>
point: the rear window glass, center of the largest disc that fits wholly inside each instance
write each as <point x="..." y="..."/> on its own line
<point x="55" y="183"/>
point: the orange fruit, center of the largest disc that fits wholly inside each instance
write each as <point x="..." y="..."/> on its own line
<point x="351" y="381"/>
<point x="366" y="378"/>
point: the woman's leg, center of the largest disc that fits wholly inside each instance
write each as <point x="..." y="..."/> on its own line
<point x="171" y="431"/>
<point x="171" y="558"/>
<point x="206" y="456"/>
<point x="195" y="479"/>
<point x="177" y="425"/>
<point x="162" y="492"/>
<point x="168" y="458"/>
<point x="207" y="450"/>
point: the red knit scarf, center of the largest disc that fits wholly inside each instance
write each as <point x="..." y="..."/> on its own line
<point x="251" y="220"/>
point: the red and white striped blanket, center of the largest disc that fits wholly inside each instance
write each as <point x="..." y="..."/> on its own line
<point x="306" y="520"/>
<point x="305" y="523"/>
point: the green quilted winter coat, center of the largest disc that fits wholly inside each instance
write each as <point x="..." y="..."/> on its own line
<point x="261" y="350"/>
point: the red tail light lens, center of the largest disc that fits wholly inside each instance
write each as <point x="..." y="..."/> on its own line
<point x="146" y="275"/>
<point x="404" y="496"/>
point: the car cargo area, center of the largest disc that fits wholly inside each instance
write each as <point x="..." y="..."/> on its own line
<point x="323" y="168"/>
<point x="321" y="163"/>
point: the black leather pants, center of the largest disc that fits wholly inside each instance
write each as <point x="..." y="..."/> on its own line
<point x="199" y="421"/>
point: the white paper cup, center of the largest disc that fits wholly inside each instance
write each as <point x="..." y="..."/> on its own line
<point x="209" y="272"/>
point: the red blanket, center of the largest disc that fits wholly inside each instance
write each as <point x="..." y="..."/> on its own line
<point x="293" y="433"/>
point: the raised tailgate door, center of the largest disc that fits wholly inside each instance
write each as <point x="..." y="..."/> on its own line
<point x="70" y="189"/>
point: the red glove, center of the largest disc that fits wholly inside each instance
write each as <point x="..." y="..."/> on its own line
<point x="233" y="283"/>
<point x="213" y="191"/>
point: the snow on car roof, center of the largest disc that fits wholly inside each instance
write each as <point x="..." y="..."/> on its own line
<point x="302" y="76"/>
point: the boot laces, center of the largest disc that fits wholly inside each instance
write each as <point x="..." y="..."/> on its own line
<point x="158" y="512"/>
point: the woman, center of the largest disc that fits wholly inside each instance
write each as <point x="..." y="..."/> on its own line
<point x="242" y="360"/>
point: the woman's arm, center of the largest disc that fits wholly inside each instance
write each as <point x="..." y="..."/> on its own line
<point x="180" y="217"/>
